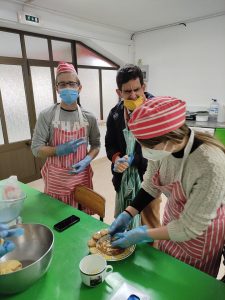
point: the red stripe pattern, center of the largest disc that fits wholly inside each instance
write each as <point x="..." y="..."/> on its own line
<point x="64" y="67"/>
<point x="157" y="117"/>
<point x="203" y="252"/>
<point x="58" y="182"/>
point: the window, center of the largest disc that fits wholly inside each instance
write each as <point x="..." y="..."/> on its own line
<point x="87" y="57"/>
<point x="11" y="46"/>
<point x="61" y="51"/>
<point x="14" y="103"/>
<point x="36" y="47"/>
<point x="89" y="96"/>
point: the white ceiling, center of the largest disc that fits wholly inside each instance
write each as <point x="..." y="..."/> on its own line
<point x="130" y="15"/>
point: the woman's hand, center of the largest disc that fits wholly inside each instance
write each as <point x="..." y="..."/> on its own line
<point x="131" y="237"/>
<point x="5" y="232"/>
<point x="120" y="223"/>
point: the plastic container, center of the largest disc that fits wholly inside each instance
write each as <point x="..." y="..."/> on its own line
<point x="202" y="116"/>
<point x="11" y="209"/>
<point x="12" y="198"/>
<point x="213" y="110"/>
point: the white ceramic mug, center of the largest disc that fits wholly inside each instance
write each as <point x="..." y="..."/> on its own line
<point x="94" y="269"/>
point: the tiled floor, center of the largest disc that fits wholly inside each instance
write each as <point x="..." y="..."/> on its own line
<point x="103" y="185"/>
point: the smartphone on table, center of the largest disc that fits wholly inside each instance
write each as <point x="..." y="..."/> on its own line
<point x="66" y="223"/>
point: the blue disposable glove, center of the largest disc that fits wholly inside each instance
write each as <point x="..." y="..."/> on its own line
<point x="69" y="147"/>
<point x="133" y="297"/>
<point x="120" y="223"/>
<point x="5" y="232"/>
<point x="131" y="237"/>
<point x="81" y="165"/>
<point x="123" y="160"/>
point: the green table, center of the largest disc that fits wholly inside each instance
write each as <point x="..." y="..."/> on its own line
<point x="160" y="275"/>
<point x="220" y="135"/>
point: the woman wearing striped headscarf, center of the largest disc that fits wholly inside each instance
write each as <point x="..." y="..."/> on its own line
<point x="189" y="168"/>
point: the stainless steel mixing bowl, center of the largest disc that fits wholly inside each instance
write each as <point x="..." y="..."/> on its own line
<point x="34" y="250"/>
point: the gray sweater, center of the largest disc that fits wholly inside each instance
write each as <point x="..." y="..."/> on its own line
<point x="203" y="182"/>
<point x="43" y="132"/>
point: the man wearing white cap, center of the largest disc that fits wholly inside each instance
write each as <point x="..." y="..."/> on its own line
<point x="189" y="168"/>
<point x="61" y="135"/>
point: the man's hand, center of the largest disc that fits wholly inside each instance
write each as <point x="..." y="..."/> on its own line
<point x="81" y="165"/>
<point x="121" y="164"/>
<point x="69" y="147"/>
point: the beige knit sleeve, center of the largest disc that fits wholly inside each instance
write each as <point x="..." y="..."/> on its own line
<point x="147" y="184"/>
<point x="206" y="196"/>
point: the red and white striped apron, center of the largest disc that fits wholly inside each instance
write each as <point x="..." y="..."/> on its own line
<point x="55" y="172"/>
<point x="203" y="252"/>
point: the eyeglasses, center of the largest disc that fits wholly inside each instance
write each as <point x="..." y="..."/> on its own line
<point x="72" y="84"/>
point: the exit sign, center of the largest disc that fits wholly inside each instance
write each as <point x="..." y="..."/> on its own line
<point x="30" y="18"/>
<point x="26" y="18"/>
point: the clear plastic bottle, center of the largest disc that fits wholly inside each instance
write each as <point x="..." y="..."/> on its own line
<point x="213" y="110"/>
<point x="221" y="113"/>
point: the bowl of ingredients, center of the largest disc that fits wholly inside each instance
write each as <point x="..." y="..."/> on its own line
<point x="29" y="261"/>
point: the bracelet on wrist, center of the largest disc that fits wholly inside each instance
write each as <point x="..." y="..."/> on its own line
<point x="128" y="212"/>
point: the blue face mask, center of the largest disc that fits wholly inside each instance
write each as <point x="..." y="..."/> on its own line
<point x="68" y="96"/>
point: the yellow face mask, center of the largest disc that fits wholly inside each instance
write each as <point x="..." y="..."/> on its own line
<point x="132" y="104"/>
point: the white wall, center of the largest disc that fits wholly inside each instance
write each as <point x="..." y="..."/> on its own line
<point x="186" y="62"/>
